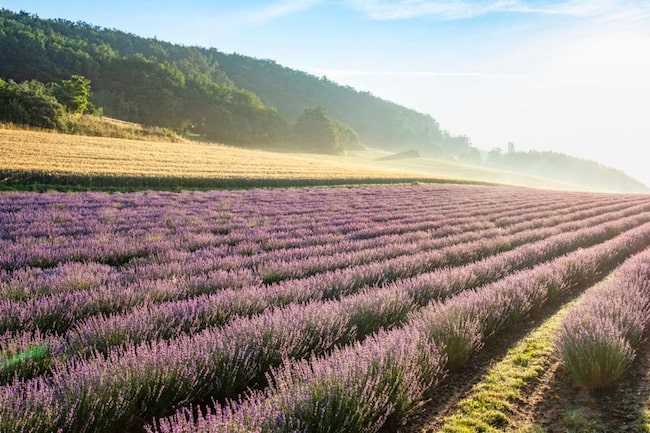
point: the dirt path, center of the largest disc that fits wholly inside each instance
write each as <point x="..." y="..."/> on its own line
<point x="552" y="403"/>
<point x="442" y="400"/>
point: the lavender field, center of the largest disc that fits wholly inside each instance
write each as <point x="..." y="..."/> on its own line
<point x="293" y="310"/>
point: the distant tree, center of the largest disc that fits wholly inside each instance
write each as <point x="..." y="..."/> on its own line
<point x="471" y="155"/>
<point x="30" y="103"/>
<point x="74" y="94"/>
<point x="315" y="130"/>
<point x="348" y="137"/>
<point x="511" y="147"/>
<point x="495" y="156"/>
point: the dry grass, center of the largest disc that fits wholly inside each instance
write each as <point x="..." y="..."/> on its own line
<point x="106" y="127"/>
<point x="41" y="153"/>
<point x="91" y="125"/>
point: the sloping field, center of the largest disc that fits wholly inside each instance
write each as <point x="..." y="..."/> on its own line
<point x="32" y="157"/>
<point x="39" y="157"/>
<point x="440" y="167"/>
<point x="285" y="310"/>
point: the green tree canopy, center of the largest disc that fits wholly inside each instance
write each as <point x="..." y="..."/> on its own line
<point x="30" y="103"/>
<point x="316" y="131"/>
<point x="74" y="94"/>
<point x="146" y="80"/>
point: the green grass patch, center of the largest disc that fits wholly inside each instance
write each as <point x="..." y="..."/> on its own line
<point x="24" y="363"/>
<point x="644" y="423"/>
<point x="489" y="404"/>
<point x="34" y="353"/>
<point x="582" y="420"/>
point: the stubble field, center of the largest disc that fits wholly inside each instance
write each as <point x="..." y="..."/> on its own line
<point x="34" y="157"/>
<point x="36" y="160"/>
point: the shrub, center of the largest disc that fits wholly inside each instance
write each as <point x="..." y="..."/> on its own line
<point x="594" y="351"/>
<point x="597" y="341"/>
<point x="458" y="333"/>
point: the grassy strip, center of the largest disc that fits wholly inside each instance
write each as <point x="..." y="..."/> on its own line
<point x="99" y="126"/>
<point x="490" y="402"/>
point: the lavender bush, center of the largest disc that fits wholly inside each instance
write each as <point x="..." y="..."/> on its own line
<point x="597" y="343"/>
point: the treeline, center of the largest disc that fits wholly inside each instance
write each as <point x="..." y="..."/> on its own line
<point x="136" y="79"/>
<point x="230" y="98"/>
<point x="379" y="123"/>
<point x="45" y="106"/>
<point x="565" y="168"/>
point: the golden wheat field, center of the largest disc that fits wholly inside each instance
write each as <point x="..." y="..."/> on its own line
<point x="29" y="157"/>
<point x="35" y="156"/>
<point x="51" y="152"/>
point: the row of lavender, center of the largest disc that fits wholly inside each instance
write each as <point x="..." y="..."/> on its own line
<point x="408" y="284"/>
<point x="66" y="308"/>
<point x="145" y="357"/>
<point x="298" y="262"/>
<point x="58" y="311"/>
<point x="598" y="341"/>
<point x="172" y="319"/>
<point x="192" y="276"/>
<point x="116" y="230"/>
<point x="145" y="223"/>
<point x="178" y="264"/>
<point x="23" y="283"/>
<point x="20" y="282"/>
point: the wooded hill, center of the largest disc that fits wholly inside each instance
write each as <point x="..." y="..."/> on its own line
<point x="228" y="98"/>
<point x="225" y="97"/>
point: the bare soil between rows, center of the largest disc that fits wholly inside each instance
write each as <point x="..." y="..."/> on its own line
<point x="557" y="405"/>
<point x="441" y="401"/>
<point x="552" y="402"/>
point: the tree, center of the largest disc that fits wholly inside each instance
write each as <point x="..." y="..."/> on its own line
<point x="471" y="155"/>
<point x="30" y="103"/>
<point x="315" y="130"/>
<point x="74" y="94"/>
<point x="318" y="132"/>
<point x="348" y="137"/>
<point x="495" y="156"/>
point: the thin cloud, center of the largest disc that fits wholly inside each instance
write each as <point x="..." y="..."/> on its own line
<point x="385" y="10"/>
<point x="276" y="10"/>
<point x="414" y="74"/>
<point x="594" y="8"/>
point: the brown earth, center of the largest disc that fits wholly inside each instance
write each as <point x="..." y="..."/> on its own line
<point x="441" y="401"/>
<point x="557" y="405"/>
<point x="553" y="403"/>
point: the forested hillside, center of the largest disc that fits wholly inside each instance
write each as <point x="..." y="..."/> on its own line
<point x="380" y="123"/>
<point x="225" y="97"/>
<point x="564" y="168"/>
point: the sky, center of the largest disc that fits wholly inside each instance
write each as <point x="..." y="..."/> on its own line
<point x="571" y="76"/>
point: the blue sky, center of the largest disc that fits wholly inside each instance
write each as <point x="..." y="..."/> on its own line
<point x="564" y="75"/>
